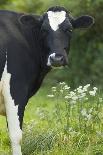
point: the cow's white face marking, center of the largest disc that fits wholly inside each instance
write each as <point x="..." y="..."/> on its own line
<point x="50" y="56"/>
<point x="56" y="18"/>
<point x="15" y="132"/>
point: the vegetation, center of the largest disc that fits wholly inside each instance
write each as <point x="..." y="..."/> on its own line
<point x="64" y="122"/>
<point x="70" y="120"/>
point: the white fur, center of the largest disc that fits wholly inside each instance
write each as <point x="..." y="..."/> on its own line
<point x="56" y="18"/>
<point x="15" y="132"/>
<point x="50" y="56"/>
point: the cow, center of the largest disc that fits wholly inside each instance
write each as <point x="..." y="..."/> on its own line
<point x="30" y="46"/>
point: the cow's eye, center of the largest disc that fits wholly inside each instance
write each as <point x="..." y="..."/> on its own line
<point x="69" y="30"/>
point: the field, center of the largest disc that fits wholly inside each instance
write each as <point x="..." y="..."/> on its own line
<point x="61" y="121"/>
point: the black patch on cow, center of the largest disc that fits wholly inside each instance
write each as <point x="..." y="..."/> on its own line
<point x="57" y="8"/>
<point x="2" y="61"/>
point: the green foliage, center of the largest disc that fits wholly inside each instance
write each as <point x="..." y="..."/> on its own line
<point x="72" y="126"/>
<point x="86" y="57"/>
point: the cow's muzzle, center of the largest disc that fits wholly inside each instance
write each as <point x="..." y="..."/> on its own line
<point x="57" y="60"/>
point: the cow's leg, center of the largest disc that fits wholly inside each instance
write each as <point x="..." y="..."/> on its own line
<point x="14" y="112"/>
<point x="15" y="132"/>
<point x="15" y="115"/>
<point x="14" y="118"/>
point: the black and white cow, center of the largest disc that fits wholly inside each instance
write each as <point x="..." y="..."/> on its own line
<point x="29" y="46"/>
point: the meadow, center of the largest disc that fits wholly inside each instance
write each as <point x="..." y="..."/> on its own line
<point x="60" y="121"/>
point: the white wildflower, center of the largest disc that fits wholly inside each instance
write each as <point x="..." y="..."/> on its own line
<point x="72" y="101"/>
<point x="80" y="90"/>
<point x="90" y="110"/>
<point x="84" y="112"/>
<point x="72" y="93"/>
<point x="100" y="99"/>
<point x="75" y="97"/>
<point x="89" y="116"/>
<point x="61" y="90"/>
<point x="100" y="134"/>
<point x="62" y="83"/>
<point x="41" y="115"/>
<point x="66" y="87"/>
<point x="81" y="95"/>
<point x="54" y="89"/>
<point x="51" y="95"/>
<point x="80" y="87"/>
<point x="92" y="93"/>
<point x="66" y="97"/>
<point x="95" y="88"/>
<point x="86" y="87"/>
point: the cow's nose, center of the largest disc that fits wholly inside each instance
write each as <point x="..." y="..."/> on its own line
<point x="57" y="60"/>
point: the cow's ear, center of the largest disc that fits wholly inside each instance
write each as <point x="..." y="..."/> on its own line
<point x="83" y="21"/>
<point x="29" y="20"/>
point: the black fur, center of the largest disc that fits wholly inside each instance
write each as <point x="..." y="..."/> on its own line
<point x="57" y="8"/>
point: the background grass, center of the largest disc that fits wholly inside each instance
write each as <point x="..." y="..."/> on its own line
<point x="46" y="128"/>
<point x="54" y="127"/>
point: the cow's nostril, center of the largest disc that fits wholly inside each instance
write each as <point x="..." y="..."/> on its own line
<point x="57" y="58"/>
<point x="52" y="58"/>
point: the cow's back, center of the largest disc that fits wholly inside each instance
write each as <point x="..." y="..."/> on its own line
<point x="9" y="27"/>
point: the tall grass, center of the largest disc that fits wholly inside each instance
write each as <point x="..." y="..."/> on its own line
<point x="70" y="125"/>
<point x="62" y="121"/>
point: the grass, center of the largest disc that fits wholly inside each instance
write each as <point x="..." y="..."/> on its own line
<point x="65" y="122"/>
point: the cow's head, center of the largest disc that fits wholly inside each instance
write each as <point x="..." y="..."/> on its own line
<point x="56" y="29"/>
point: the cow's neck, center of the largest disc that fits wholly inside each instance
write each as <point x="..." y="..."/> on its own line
<point x="41" y="70"/>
